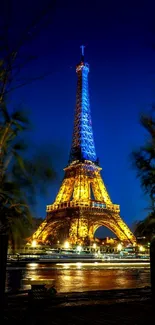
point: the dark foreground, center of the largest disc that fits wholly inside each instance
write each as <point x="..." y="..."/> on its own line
<point x="125" y="307"/>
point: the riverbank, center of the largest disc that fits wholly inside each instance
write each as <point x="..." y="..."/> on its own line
<point x="83" y="261"/>
<point x="122" y="307"/>
<point x="76" y="258"/>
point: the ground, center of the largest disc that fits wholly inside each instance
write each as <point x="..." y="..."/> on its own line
<point x="115" y="314"/>
<point x="110" y="308"/>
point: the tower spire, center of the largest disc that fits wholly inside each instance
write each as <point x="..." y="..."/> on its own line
<point x="82" y="52"/>
<point x="83" y="147"/>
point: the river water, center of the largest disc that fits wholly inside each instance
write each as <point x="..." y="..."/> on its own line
<point x="80" y="277"/>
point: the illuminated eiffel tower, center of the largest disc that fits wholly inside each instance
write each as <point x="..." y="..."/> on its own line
<point x="82" y="204"/>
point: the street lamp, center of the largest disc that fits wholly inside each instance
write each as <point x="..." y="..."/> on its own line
<point x="34" y="243"/>
<point x="79" y="248"/>
<point x="66" y="244"/>
<point x="119" y="247"/>
<point x="142" y="249"/>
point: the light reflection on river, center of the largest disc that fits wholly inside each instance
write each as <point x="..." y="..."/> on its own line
<point x="69" y="278"/>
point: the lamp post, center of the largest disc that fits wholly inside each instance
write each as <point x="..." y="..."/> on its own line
<point x="66" y="245"/>
<point x="33" y="244"/>
<point x="119" y="247"/>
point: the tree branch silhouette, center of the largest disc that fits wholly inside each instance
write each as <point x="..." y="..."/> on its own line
<point x="12" y="61"/>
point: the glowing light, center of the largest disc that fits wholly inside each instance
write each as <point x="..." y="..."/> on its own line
<point x="79" y="264"/>
<point x="142" y="249"/>
<point x="94" y="245"/>
<point x="34" y="243"/>
<point x="58" y="242"/>
<point x="66" y="244"/>
<point x="65" y="266"/>
<point x="79" y="248"/>
<point x="119" y="247"/>
<point x="33" y="266"/>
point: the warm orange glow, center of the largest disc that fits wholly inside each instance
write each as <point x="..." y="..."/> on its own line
<point x="142" y="249"/>
<point x="119" y="247"/>
<point x="79" y="248"/>
<point x="66" y="245"/>
<point x="34" y="243"/>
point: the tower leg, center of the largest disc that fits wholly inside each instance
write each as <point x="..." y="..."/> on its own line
<point x="78" y="231"/>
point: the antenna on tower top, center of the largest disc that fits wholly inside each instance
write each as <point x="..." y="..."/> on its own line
<point x="82" y="52"/>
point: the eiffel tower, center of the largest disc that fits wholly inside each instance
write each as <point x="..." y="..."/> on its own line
<point x="82" y="204"/>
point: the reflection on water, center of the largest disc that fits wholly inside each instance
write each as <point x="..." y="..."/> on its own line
<point x="79" y="277"/>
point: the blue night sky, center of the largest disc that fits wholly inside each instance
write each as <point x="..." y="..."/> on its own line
<point x="119" y="36"/>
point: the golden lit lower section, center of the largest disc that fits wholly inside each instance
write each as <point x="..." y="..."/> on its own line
<point x="81" y="188"/>
<point x="81" y="206"/>
<point x="92" y="203"/>
<point x="82" y="185"/>
<point x="39" y="231"/>
<point x="115" y="224"/>
<point x="99" y="189"/>
<point x="65" y="191"/>
<point x="79" y="228"/>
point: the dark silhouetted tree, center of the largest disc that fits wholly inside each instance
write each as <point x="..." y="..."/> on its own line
<point x="21" y="174"/>
<point x="21" y="177"/>
<point x="144" y="162"/>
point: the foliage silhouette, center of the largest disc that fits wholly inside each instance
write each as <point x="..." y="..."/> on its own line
<point x="21" y="175"/>
<point x="143" y="161"/>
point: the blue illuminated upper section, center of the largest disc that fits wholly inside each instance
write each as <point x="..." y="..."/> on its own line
<point x="83" y="147"/>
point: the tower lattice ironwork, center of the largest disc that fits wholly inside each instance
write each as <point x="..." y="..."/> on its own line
<point x="82" y="203"/>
